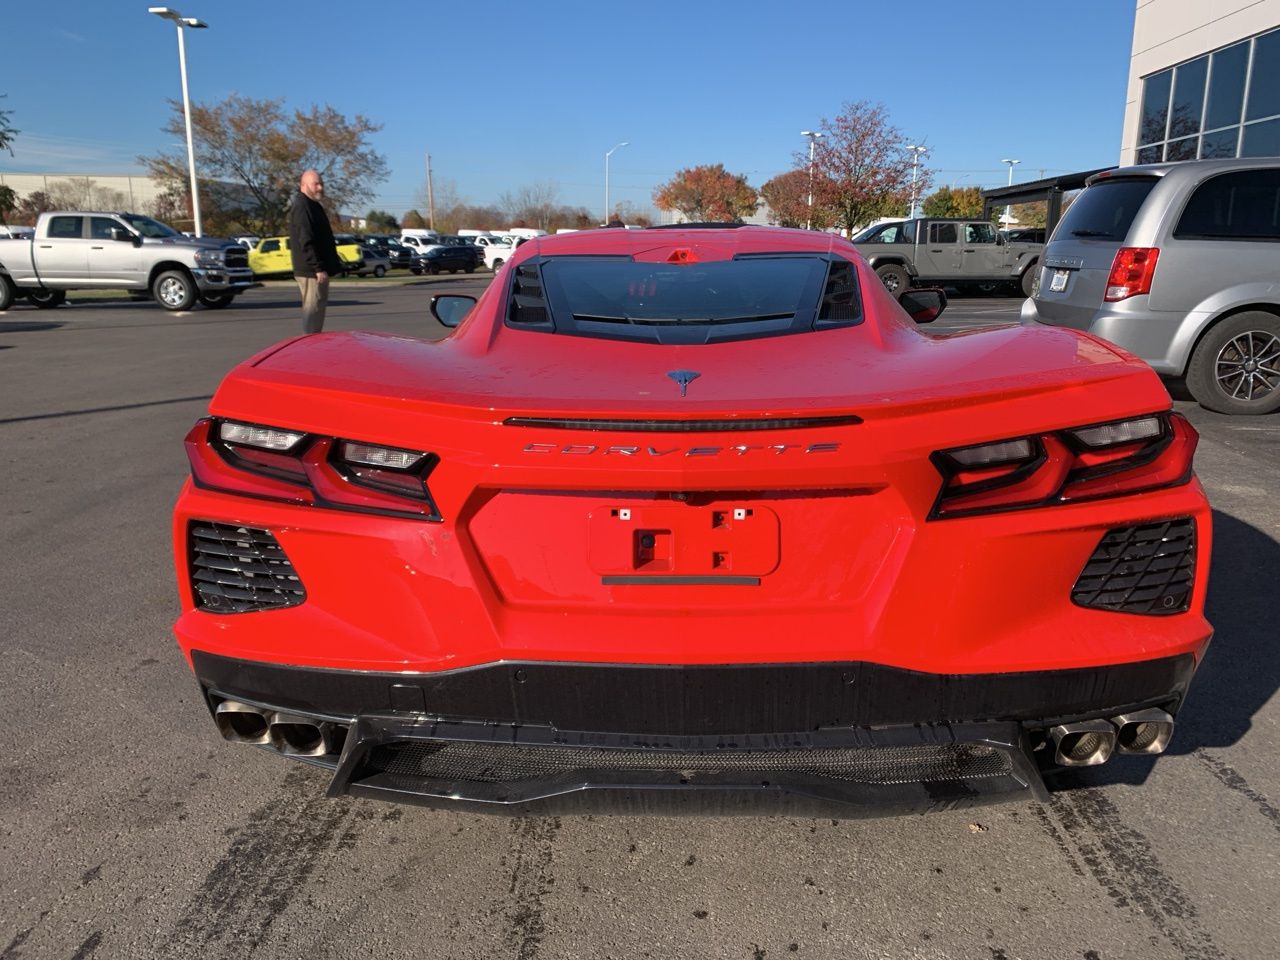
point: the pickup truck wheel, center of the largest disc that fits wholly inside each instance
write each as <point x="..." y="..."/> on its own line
<point x="1236" y="367"/>
<point x="1029" y="277"/>
<point x="471" y="269"/>
<point x="7" y="293"/>
<point x="174" y="290"/>
<point x="217" y="302"/>
<point x="379" y="271"/>
<point x="47" y="299"/>
<point x="497" y="265"/>
<point x="416" y="271"/>
<point x="894" y="278"/>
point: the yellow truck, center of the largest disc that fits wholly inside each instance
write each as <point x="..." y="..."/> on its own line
<point x="270" y="257"/>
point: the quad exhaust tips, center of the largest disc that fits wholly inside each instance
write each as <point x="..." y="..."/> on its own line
<point x="292" y="735"/>
<point x="1143" y="731"/>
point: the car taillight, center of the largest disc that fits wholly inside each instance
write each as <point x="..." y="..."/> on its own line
<point x="1065" y="466"/>
<point x="1131" y="272"/>
<point x="307" y="469"/>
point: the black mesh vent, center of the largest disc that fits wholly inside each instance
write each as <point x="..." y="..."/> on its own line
<point x="1148" y="569"/>
<point x="240" y="569"/>
<point x="528" y="302"/>
<point x="470" y="762"/>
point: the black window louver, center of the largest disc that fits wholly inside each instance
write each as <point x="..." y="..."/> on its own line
<point x="1149" y="569"/>
<point x="840" y="302"/>
<point x="528" y="301"/>
<point x="240" y="569"/>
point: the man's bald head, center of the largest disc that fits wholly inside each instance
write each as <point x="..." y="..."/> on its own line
<point x="311" y="184"/>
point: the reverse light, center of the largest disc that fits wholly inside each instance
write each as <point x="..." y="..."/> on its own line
<point x="302" y="468"/>
<point x="1083" y="463"/>
<point x="1131" y="273"/>
<point x="388" y="457"/>
<point x="992" y="453"/>
<point x="1126" y="431"/>
<point x="250" y="435"/>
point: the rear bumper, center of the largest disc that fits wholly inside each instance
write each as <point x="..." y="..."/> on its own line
<point x="1162" y="339"/>
<point x="524" y="736"/>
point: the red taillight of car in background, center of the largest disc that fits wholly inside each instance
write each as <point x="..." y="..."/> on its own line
<point x="1131" y="272"/>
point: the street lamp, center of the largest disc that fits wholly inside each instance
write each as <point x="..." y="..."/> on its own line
<point x="170" y="14"/>
<point x="917" y="150"/>
<point x="619" y="146"/>
<point x="813" y="138"/>
<point x="1008" y="216"/>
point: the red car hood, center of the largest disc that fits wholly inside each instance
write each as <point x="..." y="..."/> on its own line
<point x="850" y="370"/>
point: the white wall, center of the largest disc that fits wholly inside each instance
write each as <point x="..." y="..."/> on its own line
<point x="1167" y="32"/>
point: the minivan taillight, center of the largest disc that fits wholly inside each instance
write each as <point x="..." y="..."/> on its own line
<point x="1131" y="272"/>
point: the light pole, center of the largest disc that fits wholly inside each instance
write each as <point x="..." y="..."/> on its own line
<point x="813" y="138"/>
<point x="619" y="146"/>
<point x="170" y="14"/>
<point x="1008" y="216"/>
<point x="916" y="151"/>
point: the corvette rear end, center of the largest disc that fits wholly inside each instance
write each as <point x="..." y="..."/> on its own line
<point x="693" y="515"/>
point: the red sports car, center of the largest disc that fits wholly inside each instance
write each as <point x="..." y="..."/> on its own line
<point x="693" y="514"/>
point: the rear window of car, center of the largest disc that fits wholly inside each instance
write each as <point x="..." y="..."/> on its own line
<point x="750" y="296"/>
<point x="1234" y="206"/>
<point x="1107" y="209"/>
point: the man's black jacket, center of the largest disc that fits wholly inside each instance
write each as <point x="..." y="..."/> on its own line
<point x="311" y="243"/>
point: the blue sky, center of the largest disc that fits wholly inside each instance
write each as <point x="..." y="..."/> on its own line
<point x="507" y="93"/>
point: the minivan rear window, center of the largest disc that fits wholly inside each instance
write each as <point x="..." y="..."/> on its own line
<point x="1106" y="210"/>
<point x="1234" y="206"/>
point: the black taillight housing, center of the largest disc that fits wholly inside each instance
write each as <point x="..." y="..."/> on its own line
<point x="311" y="469"/>
<point x="1108" y="459"/>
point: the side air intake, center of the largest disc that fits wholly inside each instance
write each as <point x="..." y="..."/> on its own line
<point x="240" y="569"/>
<point x="1148" y="569"/>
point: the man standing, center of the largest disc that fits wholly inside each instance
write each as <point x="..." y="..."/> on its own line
<point x="311" y="246"/>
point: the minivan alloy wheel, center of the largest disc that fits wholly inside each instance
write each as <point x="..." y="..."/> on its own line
<point x="1235" y="368"/>
<point x="1248" y="365"/>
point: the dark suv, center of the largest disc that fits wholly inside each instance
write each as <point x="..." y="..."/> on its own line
<point x="1177" y="263"/>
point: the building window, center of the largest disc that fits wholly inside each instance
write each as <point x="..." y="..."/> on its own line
<point x="1223" y="104"/>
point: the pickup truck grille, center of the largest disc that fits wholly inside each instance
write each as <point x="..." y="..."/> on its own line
<point x="235" y="256"/>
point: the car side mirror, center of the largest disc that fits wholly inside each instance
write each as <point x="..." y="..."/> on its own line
<point x="924" y="305"/>
<point x="451" y="310"/>
<point x="1000" y="240"/>
<point x="120" y="233"/>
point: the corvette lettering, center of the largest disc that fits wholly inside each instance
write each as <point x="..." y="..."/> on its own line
<point x="741" y="449"/>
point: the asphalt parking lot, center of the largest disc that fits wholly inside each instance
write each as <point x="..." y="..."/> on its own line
<point x="129" y="830"/>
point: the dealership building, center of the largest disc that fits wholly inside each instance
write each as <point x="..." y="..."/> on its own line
<point x="1204" y="81"/>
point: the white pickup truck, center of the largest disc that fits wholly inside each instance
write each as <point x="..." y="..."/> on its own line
<point x="85" y="250"/>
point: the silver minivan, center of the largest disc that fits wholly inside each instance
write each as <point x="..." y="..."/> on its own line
<point x="1178" y="263"/>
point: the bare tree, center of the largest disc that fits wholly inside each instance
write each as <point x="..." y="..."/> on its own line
<point x="533" y="204"/>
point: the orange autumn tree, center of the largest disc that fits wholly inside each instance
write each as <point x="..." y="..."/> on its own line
<point x="708" y="193"/>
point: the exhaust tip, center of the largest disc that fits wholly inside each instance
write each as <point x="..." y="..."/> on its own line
<point x="1083" y="744"/>
<point x="1143" y="731"/>
<point x="298" y="736"/>
<point x="241" y="723"/>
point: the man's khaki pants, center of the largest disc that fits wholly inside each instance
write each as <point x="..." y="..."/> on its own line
<point x="315" y="294"/>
